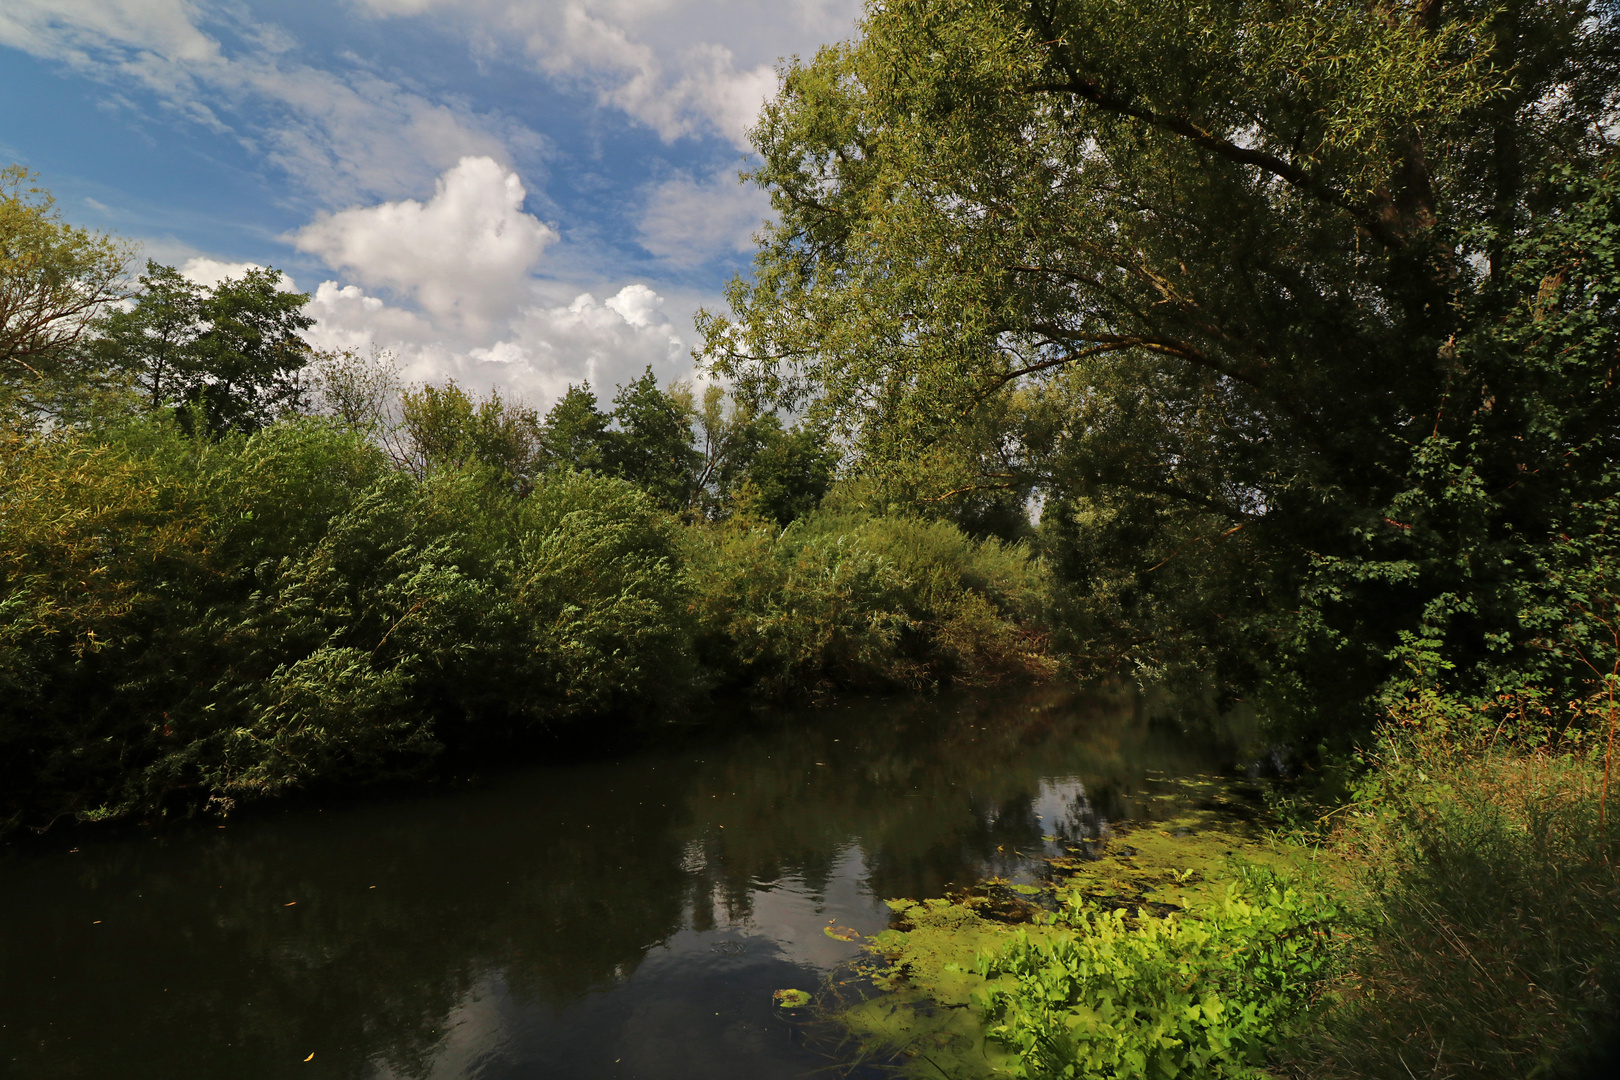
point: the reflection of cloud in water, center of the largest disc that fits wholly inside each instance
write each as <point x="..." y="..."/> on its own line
<point x="740" y="952"/>
<point x="473" y="1039"/>
<point x="1065" y="811"/>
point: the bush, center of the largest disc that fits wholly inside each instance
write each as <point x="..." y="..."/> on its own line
<point x="184" y="621"/>
<point x="843" y="599"/>
<point x="1162" y="997"/>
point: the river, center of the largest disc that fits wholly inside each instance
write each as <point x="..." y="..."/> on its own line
<point x="623" y="918"/>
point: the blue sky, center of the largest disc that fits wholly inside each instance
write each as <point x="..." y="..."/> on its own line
<point x="513" y="193"/>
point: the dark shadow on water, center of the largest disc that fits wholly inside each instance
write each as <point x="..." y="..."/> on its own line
<point x="603" y="918"/>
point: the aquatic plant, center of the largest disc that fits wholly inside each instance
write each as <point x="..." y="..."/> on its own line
<point x="1115" y="995"/>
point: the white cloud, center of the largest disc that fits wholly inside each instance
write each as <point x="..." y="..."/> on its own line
<point x="707" y="93"/>
<point x="540" y="351"/>
<point x="688" y="222"/>
<point x="463" y="255"/>
<point x="469" y="306"/>
<point x="210" y="272"/>
<point x="636" y="304"/>
<point x="681" y="67"/>
<point x="341" y="135"/>
<point x="82" y="31"/>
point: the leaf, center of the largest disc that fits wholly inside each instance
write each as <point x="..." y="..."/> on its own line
<point x="791" y="999"/>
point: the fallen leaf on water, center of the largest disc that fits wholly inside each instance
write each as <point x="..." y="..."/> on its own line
<point x="289" y="903"/>
<point x="840" y="933"/>
<point x="311" y="1056"/>
<point x="791" y="999"/>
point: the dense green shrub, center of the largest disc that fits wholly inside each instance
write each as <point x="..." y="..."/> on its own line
<point x="184" y="620"/>
<point x="1162" y="997"/>
<point x="841" y="598"/>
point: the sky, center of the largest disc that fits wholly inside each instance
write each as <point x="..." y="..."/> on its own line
<point x="520" y="194"/>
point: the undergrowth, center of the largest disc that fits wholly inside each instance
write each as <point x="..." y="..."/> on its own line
<point x="1489" y="940"/>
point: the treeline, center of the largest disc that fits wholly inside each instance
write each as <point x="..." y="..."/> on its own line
<point x="231" y="567"/>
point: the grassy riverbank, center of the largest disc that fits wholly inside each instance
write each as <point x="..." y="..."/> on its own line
<point x="1486" y="936"/>
<point x="1455" y="912"/>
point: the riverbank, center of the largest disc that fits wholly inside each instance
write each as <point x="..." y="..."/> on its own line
<point x="1455" y="911"/>
<point x="1122" y="939"/>
<point x="188" y="625"/>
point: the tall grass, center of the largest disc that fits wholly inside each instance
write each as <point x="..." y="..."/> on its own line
<point x="1490" y="941"/>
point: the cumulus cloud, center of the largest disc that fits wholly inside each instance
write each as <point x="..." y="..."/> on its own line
<point x="688" y="222"/>
<point x="463" y="255"/>
<point x="541" y="350"/>
<point x="465" y="301"/>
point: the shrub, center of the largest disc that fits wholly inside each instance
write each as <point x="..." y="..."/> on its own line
<point x="842" y="599"/>
<point x="184" y="621"/>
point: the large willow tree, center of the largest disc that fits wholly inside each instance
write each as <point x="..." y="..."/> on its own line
<point x="1299" y="316"/>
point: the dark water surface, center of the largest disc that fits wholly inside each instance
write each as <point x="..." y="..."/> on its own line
<point x="611" y="919"/>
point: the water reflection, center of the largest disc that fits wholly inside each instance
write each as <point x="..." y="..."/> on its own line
<point x="612" y="919"/>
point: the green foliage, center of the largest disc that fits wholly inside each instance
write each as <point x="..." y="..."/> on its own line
<point x="186" y="621"/>
<point x="844" y="599"/>
<point x="781" y="474"/>
<point x="230" y="354"/>
<point x="1189" y="996"/>
<point x="445" y="427"/>
<point x="707" y="460"/>
<point x="1300" y="325"/>
<point x="575" y="432"/>
<point x="55" y="279"/>
<point x="651" y="445"/>
<point x="1490" y="942"/>
<point x="154" y="337"/>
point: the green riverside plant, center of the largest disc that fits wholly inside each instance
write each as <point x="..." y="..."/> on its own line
<point x="1181" y="995"/>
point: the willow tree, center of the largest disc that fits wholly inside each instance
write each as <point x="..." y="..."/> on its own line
<point x="55" y="280"/>
<point x="1238" y="290"/>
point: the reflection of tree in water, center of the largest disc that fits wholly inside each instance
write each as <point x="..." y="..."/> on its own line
<point x="556" y="881"/>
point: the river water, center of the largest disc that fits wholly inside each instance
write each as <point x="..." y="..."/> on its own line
<point x="626" y="918"/>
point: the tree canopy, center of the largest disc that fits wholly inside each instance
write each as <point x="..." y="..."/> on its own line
<point x="55" y="279"/>
<point x="1297" y="318"/>
<point x="233" y="351"/>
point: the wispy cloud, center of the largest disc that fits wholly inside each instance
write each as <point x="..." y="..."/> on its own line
<point x="339" y="135"/>
<point x="688" y="221"/>
<point x="680" y="67"/>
